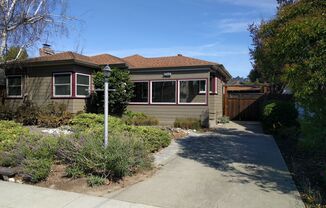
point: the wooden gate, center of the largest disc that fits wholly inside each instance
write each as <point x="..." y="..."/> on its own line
<point x="243" y="106"/>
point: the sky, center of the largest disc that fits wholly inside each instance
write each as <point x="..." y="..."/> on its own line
<point x="213" y="30"/>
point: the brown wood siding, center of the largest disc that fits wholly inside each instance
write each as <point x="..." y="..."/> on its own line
<point x="38" y="87"/>
<point x="167" y="114"/>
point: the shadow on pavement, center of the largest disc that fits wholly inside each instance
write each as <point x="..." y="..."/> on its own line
<point x="241" y="155"/>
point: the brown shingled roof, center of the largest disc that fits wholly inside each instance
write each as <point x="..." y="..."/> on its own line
<point x="104" y="59"/>
<point x="64" y="56"/>
<point x="137" y="61"/>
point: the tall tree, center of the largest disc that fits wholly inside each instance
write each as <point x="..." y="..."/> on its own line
<point x="291" y="50"/>
<point x="24" y="22"/>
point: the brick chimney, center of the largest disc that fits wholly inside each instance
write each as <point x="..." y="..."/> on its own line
<point x="46" y="50"/>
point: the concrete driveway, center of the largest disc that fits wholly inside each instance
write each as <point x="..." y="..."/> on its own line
<point x="236" y="166"/>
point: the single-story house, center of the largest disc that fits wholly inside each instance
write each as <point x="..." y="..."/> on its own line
<point x="164" y="87"/>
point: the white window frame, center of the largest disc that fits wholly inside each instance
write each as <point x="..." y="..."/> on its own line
<point x="53" y="84"/>
<point x="148" y="92"/>
<point x="182" y="80"/>
<point x="201" y="91"/>
<point x="76" y="85"/>
<point x="163" y="103"/>
<point x="21" y="86"/>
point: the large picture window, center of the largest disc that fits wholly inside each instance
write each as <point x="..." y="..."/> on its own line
<point x="82" y="85"/>
<point x="62" y="84"/>
<point x="140" y="92"/>
<point x="164" y="92"/>
<point x="14" y="86"/>
<point x="192" y="91"/>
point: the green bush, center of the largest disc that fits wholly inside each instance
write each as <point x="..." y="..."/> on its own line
<point x="34" y="153"/>
<point x="123" y="156"/>
<point x="279" y="113"/>
<point x="153" y="138"/>
<point x="87" y="120"/>
<point x="54" y="115"/>
<point x="139" y="119"/>
<point x="120" y="81"/>
<point x="187" y="123"/>
<point x="93" y="181"/>
<point x="38" y="169"/>
<point x="10" y="133"/>
<point x="313" y="135"/>
<point x="74" y="172"/>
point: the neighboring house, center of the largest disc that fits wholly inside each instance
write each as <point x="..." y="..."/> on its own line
<point x="165" y="87"/>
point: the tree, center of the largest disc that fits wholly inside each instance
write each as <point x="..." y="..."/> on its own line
<point x="118" y="99"/>
<point x="24" y="22"/>
<point x="12" y="54"/>
<point x="291" y="50"/>
<point x="282" y="3"/>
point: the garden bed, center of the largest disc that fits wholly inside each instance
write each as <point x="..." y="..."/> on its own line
<point x="308" y="172"/>
<point x="78" y="161"/>
<point x="57" y="179"/>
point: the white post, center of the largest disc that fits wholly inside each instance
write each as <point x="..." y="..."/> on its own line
<point x="106" y="112"/>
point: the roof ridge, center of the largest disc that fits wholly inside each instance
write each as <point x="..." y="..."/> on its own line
<point x="135" y="55"/>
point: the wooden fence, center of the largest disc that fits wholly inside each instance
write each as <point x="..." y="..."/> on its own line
<point x="248" y="106"/>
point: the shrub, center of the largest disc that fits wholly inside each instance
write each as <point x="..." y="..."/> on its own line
<point x="285" y="132"/>
<point x="277" y="114"/>
<point x="10" y="133"/>
<point x="74" y="172"/>
<point x="87" y="120"/>
<point x="120" y="81"/>
<point x="187" y="123"/>
<point x="93" y="181"/>
<point x="139" y="119"/>
<point x="153" y="138"/>
<point x="38" y="169"/>
<point x="27" y="113"/>
<point x="123" y="156"/>
<point x="313" y="135"/>
<point x="34" y="153"/>
<point x="6" y="113"/>
<point x="54" y="115"/>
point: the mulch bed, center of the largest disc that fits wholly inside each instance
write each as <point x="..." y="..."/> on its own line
<point x="308" y="170"/>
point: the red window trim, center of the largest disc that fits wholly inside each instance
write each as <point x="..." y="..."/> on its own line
<point x="72" y="87"/>
<point x="177" y="90"/>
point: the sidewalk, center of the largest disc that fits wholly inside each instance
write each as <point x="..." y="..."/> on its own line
<point x="15" y="195"/>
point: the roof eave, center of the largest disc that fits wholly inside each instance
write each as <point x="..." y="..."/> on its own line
<point x="56" y="62"/>
<point x="220" y="68"/>
<point x="170" y="67"/>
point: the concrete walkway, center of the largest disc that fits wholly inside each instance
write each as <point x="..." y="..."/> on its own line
<point x="13" y="195"/>
<point x="236" y="166"/>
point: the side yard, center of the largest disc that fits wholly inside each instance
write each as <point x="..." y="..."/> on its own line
<point x="305" y="156"/>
